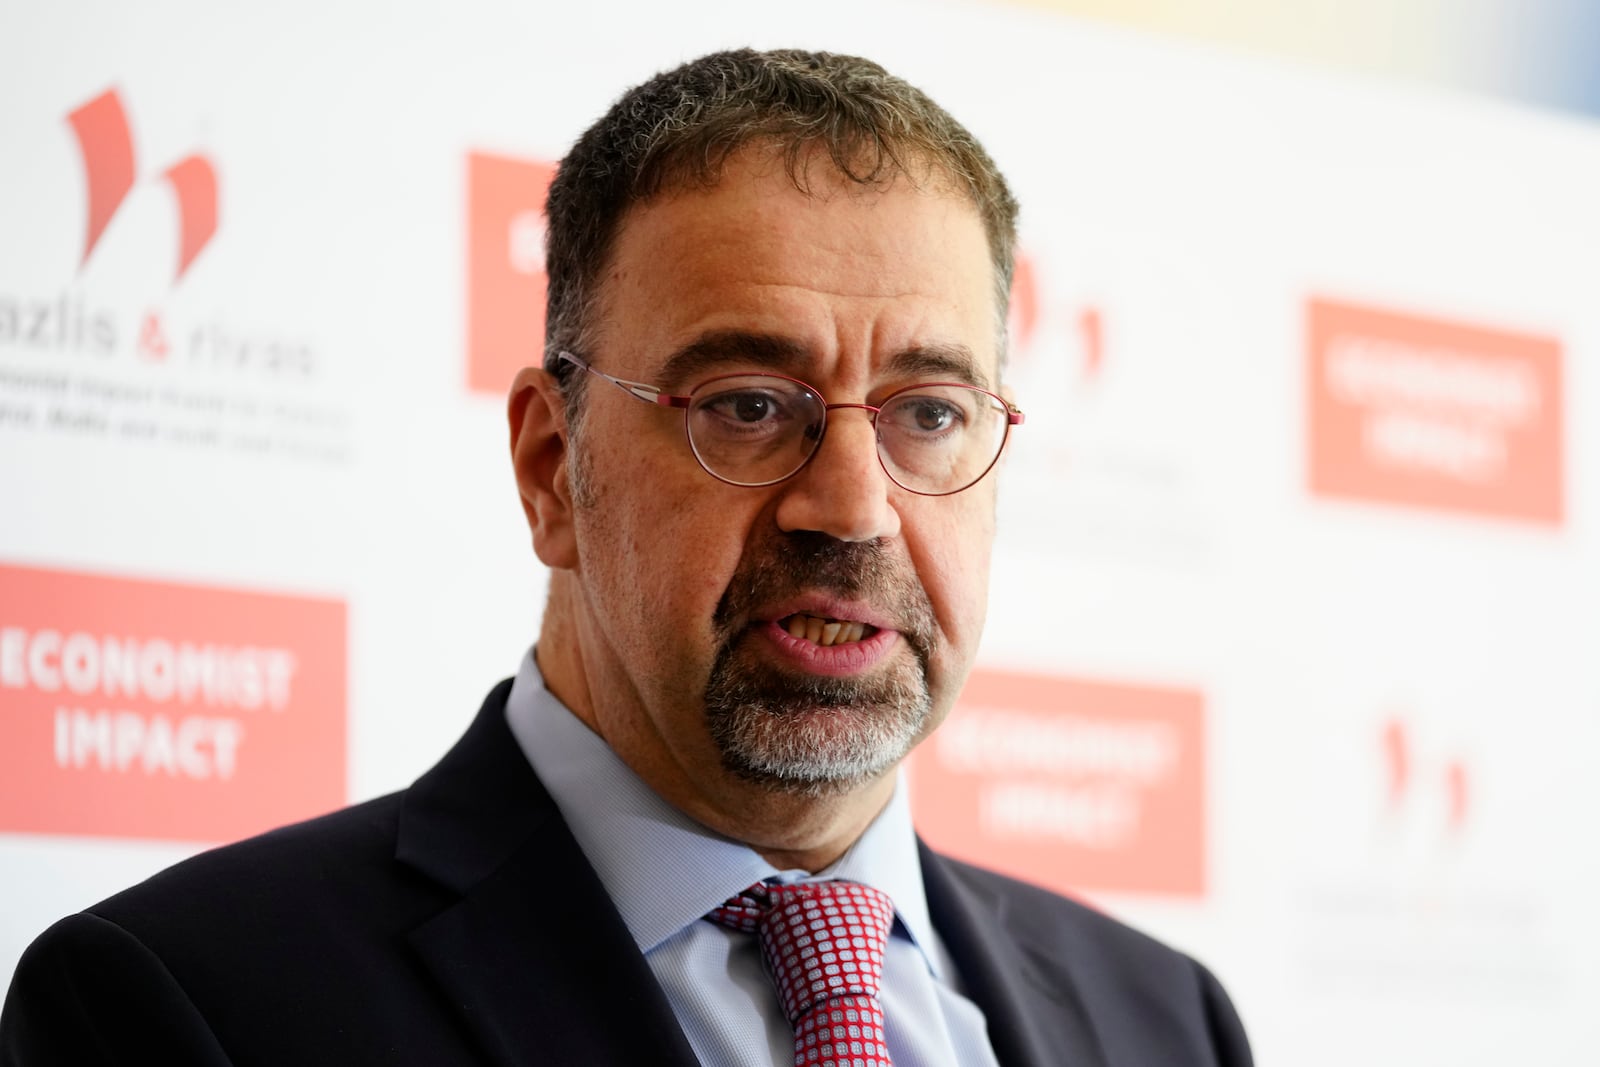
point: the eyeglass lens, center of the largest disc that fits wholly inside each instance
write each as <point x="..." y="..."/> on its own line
<point x="757" y="429"/>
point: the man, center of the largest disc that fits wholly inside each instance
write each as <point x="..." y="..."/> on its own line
<point x="757" y="461"/>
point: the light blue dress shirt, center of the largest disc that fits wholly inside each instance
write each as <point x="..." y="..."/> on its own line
<point x="665" y="871"/>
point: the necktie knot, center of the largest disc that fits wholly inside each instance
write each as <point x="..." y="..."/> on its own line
<point x="823" y="943"/>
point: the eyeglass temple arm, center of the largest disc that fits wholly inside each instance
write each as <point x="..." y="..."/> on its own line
<point x="650" y="394"/>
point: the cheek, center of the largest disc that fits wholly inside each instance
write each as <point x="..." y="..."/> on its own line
<point x="954" y="565"/>
<point x="662" y="541"/>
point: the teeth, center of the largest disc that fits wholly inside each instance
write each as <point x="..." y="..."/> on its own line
<point x="824" y="632"/>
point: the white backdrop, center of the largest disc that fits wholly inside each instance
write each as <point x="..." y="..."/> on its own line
<point x="1373" y="710"/>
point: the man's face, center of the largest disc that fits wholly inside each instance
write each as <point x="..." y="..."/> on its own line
<point x="800" y="636"/>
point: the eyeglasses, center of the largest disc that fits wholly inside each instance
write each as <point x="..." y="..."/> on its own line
<point x="934" y="439"/>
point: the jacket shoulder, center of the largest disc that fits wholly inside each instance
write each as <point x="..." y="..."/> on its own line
<point x="250" y="947"/>
<point x="323" y="859"/>
<point x="1138" y="990"/>
<point x="1055" y="918"/>
<point x="249" y="921"/>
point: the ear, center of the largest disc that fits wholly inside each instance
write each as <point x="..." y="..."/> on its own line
<point x="537" y="416"/>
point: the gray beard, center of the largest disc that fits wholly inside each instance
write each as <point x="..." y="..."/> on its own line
<point x="811" y="735"/>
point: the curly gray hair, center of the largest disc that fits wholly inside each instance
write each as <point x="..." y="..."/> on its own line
<point x="680" y="127"/>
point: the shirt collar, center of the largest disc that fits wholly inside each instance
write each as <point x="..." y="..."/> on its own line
<point x="662" y="869"/>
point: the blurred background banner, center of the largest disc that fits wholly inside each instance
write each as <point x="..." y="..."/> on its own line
<point x="1291" y="656"/>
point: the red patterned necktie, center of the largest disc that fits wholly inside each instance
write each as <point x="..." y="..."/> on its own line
<point x="823" y="943"/>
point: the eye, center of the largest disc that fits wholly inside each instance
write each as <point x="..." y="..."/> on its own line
<point x="926" y="415"/>
<point x="750" y="407"/>
<point x="933" y="416"/>
<point x="747" y="406"/>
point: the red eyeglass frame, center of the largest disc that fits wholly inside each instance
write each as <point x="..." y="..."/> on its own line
<point x="654" y="394"/>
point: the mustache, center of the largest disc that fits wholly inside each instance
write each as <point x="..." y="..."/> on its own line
<point x="792" y="563"/>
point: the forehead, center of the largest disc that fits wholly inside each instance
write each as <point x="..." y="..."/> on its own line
<point x="837" y="277"/>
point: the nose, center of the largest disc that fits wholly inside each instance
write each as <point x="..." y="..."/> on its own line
<point x="844" y="491"/>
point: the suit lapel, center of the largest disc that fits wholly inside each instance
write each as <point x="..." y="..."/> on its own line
<point x="540" y="968"/>
<point x="533" y="955"/>
<point x="1035" y="1016"/>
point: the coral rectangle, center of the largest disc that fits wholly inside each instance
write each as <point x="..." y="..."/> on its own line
<point x="145" y="709"/>
<point x="1418" y="411"/>
<point x="505" y="268"/>
<point x="1073" y="784"/>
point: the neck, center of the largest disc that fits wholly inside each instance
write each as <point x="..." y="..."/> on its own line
<point x="790" y="830"/>
<point x="809" y="833"/>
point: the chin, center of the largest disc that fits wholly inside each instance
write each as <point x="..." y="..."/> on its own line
<point x="821" y="737"/>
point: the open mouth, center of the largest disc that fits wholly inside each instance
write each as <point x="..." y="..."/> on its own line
<point x="825" y="632"/>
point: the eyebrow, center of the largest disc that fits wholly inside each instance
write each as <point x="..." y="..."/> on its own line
<point x="717" y="350"/>
<point x="785" y="355"/>
<point x="947" y="362"/>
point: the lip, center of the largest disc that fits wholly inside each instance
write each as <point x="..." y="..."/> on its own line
<point x="831" y="660"/>
<point x="826" y="607"/>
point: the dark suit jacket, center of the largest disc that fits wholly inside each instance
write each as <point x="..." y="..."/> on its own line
<point x="458" y="922"/>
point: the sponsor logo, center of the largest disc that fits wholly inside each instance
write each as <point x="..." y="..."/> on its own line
<point x="1073" y="784"/>
<point x="1101" y="473"/>
<point x="73" y="323"/>
<point x="145" y="709"/>
<point x="1451" y="893"/>
<point x="98" y="360"/>
<point x="1023" y="315"/>
<point x="1444" y="785"/>
<point x="505" y="268"/>
<point x="1030" y="316"/>
<point x="106" y="143"/>
<point x="1434" y="414"/>
<point x="1091" y="328"/>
